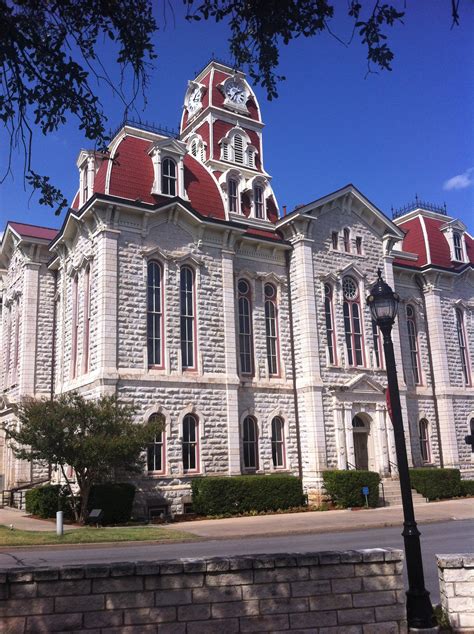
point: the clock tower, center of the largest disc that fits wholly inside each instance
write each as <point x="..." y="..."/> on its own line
<point x="222" y="127"/>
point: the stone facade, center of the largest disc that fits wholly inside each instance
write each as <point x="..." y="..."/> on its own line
<point x="76" y="310"/>
<point x="456" y="583"/>
<point x="352" y="591"/>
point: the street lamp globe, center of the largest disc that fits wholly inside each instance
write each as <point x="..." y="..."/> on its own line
<point x="383" y="302"/>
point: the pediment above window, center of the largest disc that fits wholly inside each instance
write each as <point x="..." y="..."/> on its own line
<point x="363" y="384"/>
<point x="153" y="252"/>
<point x="353" y="271"/>
<point x="279" y="280"/>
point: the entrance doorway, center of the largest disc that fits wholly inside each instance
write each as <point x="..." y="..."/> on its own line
<point x="361" y="437"/>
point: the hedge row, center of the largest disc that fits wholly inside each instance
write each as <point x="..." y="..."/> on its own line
<point x="244" y="494"/>
<point x="437" y="484"/>
<point x="115" y="500"/>
<point x="345" y="487"/>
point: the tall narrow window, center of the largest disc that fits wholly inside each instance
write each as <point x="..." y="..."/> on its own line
<point x="187" y="317"/>
<point x="335" y="240"/>
<point x="154" y="314"/>
<point x="168" y="177"/>
<point x="378" y="354"/>
<point x="330" y="333"/>
<point x="278" y="443"/>
<point x="347" y="240"/>
<point x="232" y="190"/>
<point x="251" y="157"/>
<point x="423" y="428"/>
<point x="352" y="322"/>
<point x="190" y="443"/>
<point x="413" y="344"/>
<point x="245" y="327"/>
<point x="359" y="245"/>
<point x="250" y="443"/>
<point x="462" y="346"/>
<point x="238" y="149"/>
<point x="225" y="150"/>
<point x="85" y="186"/>
<point x="87" y="317"/>
<point x="156" y="449"/>
<point x="258" y="200"/>
<point x="75" y="326"/>
<point x="457" y="247"/>
<point x="16" y="343"/>
<point x="271" y="328"/>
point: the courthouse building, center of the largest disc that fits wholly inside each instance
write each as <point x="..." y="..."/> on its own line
<point x="177" y="283"/>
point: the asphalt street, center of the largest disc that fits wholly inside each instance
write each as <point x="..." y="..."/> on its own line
<point x="456" y="536"/>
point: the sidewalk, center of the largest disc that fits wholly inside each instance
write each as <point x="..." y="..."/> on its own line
<point x="22" y="521"/>
<point x="325" y="521"/>
<point x="284" y="524"/>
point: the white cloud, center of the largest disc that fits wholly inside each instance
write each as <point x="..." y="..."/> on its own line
<point x="460" y="181"/>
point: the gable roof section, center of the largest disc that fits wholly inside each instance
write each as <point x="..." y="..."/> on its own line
<point x="33" y="231"/>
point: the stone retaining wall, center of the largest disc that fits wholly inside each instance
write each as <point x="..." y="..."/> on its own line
<point x="456" y="586"/>
<point x="353" y="592"/>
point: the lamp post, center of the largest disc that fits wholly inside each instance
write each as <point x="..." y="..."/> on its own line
<point x="383" y="304"/>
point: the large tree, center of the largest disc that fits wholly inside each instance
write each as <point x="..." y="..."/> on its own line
<point x="94" y="437"/>
<point x="49" y="55"/>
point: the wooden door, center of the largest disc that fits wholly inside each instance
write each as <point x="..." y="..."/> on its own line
<point x="361" y="452"/>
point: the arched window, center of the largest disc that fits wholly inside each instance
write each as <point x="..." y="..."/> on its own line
<point x="347" y="240"/>
<point x="335" y="240"/>
<point x="423" y="430"/>
<point x="190" y="443"/>
<point x="154" y="314"/>
<point x="156" y="449"/>
<point x="457" y="247"/>
<point x="197" y="149"/>
<point x="378" y="352"/>
<point x="75" y="325"/>
<point x="187" y="317"/>
<point x="330" y="333"/>
<point x="168" y="177"/>
<point x="232" y="192"/>
<point x="271" y="328"/>
<point x="258" y="201"/>
<point x="462" y="346"/>
<point x="87" y="317"/>
<point x="352" y="322"/>
<point x="413" y="344"/>
<point x="250" y="443"/>
<point x="245" y="327"/>
<point x="225" y="150"/>
<point x="359" y="245"/>
<point x="278" y="443"/>
<point x="238" y="148"/>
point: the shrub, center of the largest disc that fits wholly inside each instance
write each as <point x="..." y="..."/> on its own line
<point x="436" y="484"/>
<point x="467" y="487"/>
<point x="244" y="494"/>
<point x="345" y="487"/>
<point x="115" y="500"/>
<point x="44" y="501"/>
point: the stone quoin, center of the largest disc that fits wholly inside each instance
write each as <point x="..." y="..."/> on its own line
<point x="176" y="283"/>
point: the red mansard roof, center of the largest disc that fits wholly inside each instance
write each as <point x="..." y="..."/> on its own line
<point x="425" y="238"/>
<point x="131" y="177"/>
<point x="33" y="231"/>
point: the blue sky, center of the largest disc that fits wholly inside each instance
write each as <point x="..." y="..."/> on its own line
<point x="393" y="134"/>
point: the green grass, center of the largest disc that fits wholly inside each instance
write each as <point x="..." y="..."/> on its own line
<point x="90" y="535"/>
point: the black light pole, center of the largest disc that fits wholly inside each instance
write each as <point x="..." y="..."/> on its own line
<point x="383" y="303"/>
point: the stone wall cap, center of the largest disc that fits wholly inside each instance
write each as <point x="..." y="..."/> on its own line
<point x="456" y="560"/>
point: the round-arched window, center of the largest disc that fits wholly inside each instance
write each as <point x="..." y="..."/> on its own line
<point x="349" y="288"/>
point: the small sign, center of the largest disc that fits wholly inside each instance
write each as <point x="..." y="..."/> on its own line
<point x="365" y="492"/>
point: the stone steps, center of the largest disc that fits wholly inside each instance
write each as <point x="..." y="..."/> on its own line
<point x="392" y="494"/>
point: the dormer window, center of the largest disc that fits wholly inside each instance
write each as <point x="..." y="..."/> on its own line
<point x="168" y="177"/>
<point x="88" y="162"/>
<point x="458" y="254"/>
<point x="197" y="148"/>
<point x="238" y="149"/>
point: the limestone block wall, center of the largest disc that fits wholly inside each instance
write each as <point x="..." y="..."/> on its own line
<point x="456" y="584"/>
<point x="351" y="591"/>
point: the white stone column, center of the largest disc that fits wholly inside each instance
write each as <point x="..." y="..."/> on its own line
<point x="441" y="377"/>
<point x="29" y="327"/>
<point x="382" y="456"/>
<point x="339" y="423"/>
<point x="392" y="453"/>
<point x="231" y="379"/>
<point x="308" y="376"/>
<point x="349" y="434"/>
<point x="107" y="264"/>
